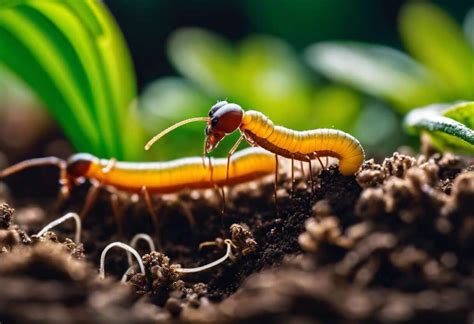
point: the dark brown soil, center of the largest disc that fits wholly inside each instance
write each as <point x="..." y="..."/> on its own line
<point x="393" y="244"/>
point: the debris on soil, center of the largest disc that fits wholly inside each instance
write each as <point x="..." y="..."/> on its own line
<point x="165" y="286"/>
<point x="392" y="244"/>
<point x="407" y="257"/>
<point x="304" y="294"/>
<point x="6" y="214"/>
<point x="43" y="283"/>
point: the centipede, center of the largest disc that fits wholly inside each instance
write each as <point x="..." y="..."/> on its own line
<point x="148" y="178"/>
<point x="224" y="118"/>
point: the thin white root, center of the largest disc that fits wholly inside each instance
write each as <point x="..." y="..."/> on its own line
<point x="227" y="255"/>
<point x="133" y="243"/>
<point x="122" y="246"/>
<point x="77" y="237"/>
<point x="124" y="277"/>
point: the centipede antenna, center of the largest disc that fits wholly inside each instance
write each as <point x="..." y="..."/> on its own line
<point x="51" y="160"/>
<point x="77" y="219"/>
<point x="133" y="243"/>
<point x="227" y="255"/>
<point x="124" y="247"/>
<point x="171" y="128"/>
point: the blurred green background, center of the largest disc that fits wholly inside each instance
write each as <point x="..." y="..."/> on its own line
<point x="358" y="66"/>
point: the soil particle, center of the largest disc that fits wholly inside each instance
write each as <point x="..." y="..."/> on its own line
<point x="399" y="253"/>
<point x="392" y="244"/>
<point x="44" y="283"/>
<point x="6" y="213"/>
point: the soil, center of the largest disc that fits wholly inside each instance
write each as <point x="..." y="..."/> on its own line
<point x="393" y="244"/>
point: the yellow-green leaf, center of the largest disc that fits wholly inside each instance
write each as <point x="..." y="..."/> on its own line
<point x="437" y="41"/>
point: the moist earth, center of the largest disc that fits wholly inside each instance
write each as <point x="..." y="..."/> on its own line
<point x="393" y="243"/>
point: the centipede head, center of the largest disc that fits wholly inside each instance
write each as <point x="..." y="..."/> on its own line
<point x="224" y="118"/>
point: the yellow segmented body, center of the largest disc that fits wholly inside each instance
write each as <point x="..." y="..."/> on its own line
<point x="187" y="173"/>
<point x="303" y="145"/>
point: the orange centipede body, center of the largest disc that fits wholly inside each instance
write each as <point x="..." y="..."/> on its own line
<point x="173" y="176"/>
<point x="153" y="177"/>
<point x="258" y="130"/>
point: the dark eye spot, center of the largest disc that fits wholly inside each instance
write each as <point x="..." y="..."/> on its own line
<point x="214" y="121"/>
<point x="216" y="107"/>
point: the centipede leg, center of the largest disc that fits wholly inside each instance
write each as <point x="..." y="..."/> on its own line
<point x="63" y="195"/>
<point x="232" y="151"/>
<point x="91" y="197"/>
<point x="292" y="175"/>
<point x="302" y="171"/>
<point x="311" y="176"/>
<point x="223" y="208"/>
<point x="320" y="162"/>
<point x="117" y="210"/>
<point x="186" y="210"/>
<point x="217" y="188"/>
<point x="64" y="185"/>
<point x="151" y="210"/>
<point x="276" y="184"/>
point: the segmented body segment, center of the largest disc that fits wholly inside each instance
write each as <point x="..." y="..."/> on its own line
<point x="303" y="145"/>
<point x="186" y="173"/>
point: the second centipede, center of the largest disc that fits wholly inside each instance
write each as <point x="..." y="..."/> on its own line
<point x="154" y="177"/>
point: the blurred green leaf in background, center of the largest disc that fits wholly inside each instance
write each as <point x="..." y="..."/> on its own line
<point x="441" y="70"/>
<point x="73" y="56"/>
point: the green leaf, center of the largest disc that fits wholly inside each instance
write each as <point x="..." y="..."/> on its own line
<point x="380" y="71"/>
<point x="469" y="27"/>
<point x="335" y="107"/>
<point x="167" y="101"/>
<point x="72" y="55"/>
<point x="271" y="79"/>
<point x="450" y="126"/>
<point x="377" y="127"/>
<point x="204" y="58"/>
<point x="437" y="41"/>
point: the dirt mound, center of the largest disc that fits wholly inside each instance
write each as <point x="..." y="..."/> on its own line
<point x="392" y="243"/>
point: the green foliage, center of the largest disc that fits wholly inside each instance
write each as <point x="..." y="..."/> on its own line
<point x="451" y="127"/>
<point x="444" y="71"/>
<point x="72" y="54"/>
<point x="259" y="72"/>
<point x="437" y="41"/>
<point x="377" y="70"/>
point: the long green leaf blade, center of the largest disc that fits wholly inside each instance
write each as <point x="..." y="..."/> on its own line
<point x="18" y="29"/>
<point x="77" y="47"/>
